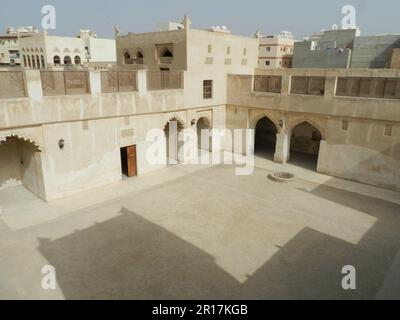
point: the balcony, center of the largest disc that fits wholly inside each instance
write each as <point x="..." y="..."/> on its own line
<point x="166" y="60"/>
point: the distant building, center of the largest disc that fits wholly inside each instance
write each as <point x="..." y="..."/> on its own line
<point x="327" y="49"/>
<point x="340" y="49"/>
<point x="276" y="51"/>
<point x="169" y="26"/>
<point x="9" y="51"/>
<point x="374" y="52"/>
<point x="43" y="51"/>
<point x="395" y="59"/>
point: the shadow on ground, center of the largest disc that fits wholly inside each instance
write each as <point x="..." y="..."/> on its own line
<point x="129" y="257"/>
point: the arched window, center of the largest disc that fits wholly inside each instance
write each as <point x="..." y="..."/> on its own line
<point x="37" y="62"/>
<point x="167" y="54"/>
<point x="57" y="60"/>
<point x="43" y="63"/>
<point x="127" y="58"/>
<point x="33" y="62"/>
<point x="139" y="57"/>
<point x="67" y="60"/>
<point x="29" y="61"/>
<point x="77" y="60"/>
<point x="25" y="61"/>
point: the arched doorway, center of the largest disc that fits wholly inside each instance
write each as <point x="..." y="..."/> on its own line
<point x="304" y="145"/>
<point x="172" y="129"/>
<point x="20" y="164"/>
<point x="203" y="131"/>
<point x="265" y="138"/>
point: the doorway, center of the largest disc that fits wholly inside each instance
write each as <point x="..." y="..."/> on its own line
<point x="129" y="161"/>
<point x="304" y="146"/>
<point x="265" y="139"/>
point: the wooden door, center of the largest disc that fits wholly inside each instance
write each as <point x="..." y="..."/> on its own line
<point x="131" y="160"/>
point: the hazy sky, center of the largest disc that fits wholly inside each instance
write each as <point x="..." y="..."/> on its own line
<point x="302" y="17"/>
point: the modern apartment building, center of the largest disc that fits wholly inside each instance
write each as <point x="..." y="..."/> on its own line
<point x="9" y="49"/>
<point x="345" y="49"/>
<point x="276" y="51"/>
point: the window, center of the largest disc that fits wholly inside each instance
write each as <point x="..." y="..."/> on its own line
<point x="207" y="89"/>
<point x="127" y="58"/>
<point x="42" y="60"/>
<point x="37" y="62"/>
<point x="345" y="125"/>
<point x="244" y="51"/>
<point x="77" y="60"/>
<point x="25" y="60"/>
<point x="56" y="60"/>
<point x="67" y="60"/>
<point x="388" y="130"/>
<point x="388" y="88"/>
<point x="308" y="85"/>
<point x="139" y="57"/>
<point x="228" y="50"/>
<point x="267" y="63"/>
<point x="268" y="49"/>
<point x="268" y="84"/>
<point x="209" y="48"/>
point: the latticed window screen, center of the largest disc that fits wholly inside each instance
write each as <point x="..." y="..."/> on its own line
<point x="268" y="84"/>
<point x="308" y="85"/>
<point x="207" y="89"/>
<point x="164" y="80"/>
<point x="299" y="85"/>
<point x="118" y="81"/>
<point x="388" y="88"/>
<point x="12" y="84"/>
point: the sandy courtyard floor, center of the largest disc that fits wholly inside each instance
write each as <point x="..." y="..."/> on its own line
<point x="203" y="233"/>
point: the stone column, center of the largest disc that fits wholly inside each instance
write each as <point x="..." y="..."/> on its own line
<point x="282" y="148"/>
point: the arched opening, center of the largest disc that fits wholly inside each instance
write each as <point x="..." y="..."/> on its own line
<point x="204" y="137"/>
<point x="127" y="58"/>
<point x="173" y="145"/>
<point x="33" y="62"/>
<point x="67" y="60"/>
<point x="25" y="62"/>
<point x="265" y="138"/>
<point x="139" y="57"/>
<point x="20" y="164"/>
<point x="77" y="60"/>
<point x="43" y="63"/>
<point x="37" y="62"/>
<point x="304" y="145"/>
<point x="56" y="60"/>
<point x="29" y="61"/>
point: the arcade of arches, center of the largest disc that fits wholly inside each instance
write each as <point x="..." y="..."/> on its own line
<point x="304" y="143"/>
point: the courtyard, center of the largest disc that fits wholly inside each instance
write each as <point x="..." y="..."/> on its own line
<point x="201" y="232"/>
